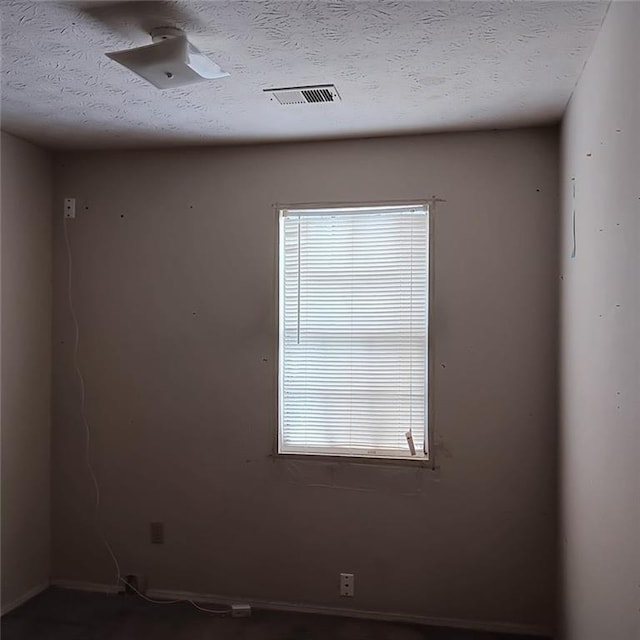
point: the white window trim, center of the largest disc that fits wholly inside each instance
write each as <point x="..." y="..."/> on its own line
<point x="426" y="460"/>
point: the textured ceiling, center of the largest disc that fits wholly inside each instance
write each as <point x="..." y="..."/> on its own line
<point x="400" y="67"/>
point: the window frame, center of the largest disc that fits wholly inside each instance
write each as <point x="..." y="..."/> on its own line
<point x="428" y="460"/>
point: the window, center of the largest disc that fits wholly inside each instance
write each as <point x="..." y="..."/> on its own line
<point x="353" y="331"/>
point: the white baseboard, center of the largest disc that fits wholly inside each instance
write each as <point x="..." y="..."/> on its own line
<point x="93" y="587"/>
<point x="32" y="593"/>
<point x="388" y="616"/>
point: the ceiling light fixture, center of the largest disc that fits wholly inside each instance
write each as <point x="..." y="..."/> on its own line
<point x="171" y="61"/>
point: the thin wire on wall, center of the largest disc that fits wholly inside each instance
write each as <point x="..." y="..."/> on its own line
<point x="87" y="431"/>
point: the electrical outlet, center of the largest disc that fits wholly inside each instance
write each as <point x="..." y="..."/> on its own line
<point x="156" y="532"/>
<point x="240" y="610"/>
<point x="347" y="581"/>
<point x="69" y="207"/>
<point x="135" y="583"/>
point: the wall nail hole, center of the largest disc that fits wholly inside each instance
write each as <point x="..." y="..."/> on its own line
<point x="86" y="208"/>
<point x="617" y="305"/>
<point x="588" y="155"/>
<point x="618" y="130"/>
<point x="122" y="215"/>
<point x="443" y="365"/>
<point x="538" y="190"/>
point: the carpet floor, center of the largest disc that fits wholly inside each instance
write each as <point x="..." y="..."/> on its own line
<point x="62" y="614"/>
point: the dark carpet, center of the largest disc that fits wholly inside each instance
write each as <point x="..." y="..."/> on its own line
<point x="61" y="614"/>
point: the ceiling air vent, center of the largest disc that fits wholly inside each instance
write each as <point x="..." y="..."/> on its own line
<point x="305" y="95"/>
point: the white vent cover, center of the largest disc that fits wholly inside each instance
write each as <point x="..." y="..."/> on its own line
<point x="305" y="95"/>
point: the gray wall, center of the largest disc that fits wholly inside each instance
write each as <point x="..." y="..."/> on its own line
<point x="174" y="256"/>
<point x="26" y="368"/>
<point x="600" y="354"/>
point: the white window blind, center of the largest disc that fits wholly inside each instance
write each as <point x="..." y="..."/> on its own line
<point x="353" y="331"/>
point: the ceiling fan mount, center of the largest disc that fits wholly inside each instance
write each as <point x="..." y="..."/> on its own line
<point x="171" y="61"/>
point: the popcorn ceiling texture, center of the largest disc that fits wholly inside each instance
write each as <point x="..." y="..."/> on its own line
<point x="400" y="67"/>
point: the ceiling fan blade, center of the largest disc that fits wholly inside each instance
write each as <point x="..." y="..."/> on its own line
<point x="131" y="18"/>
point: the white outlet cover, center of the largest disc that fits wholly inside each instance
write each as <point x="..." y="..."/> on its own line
<point x="69" y="207"/>
<point x="347" y="585"/>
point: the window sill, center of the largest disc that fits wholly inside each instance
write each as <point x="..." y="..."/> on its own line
<point x="421" y="462"/>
